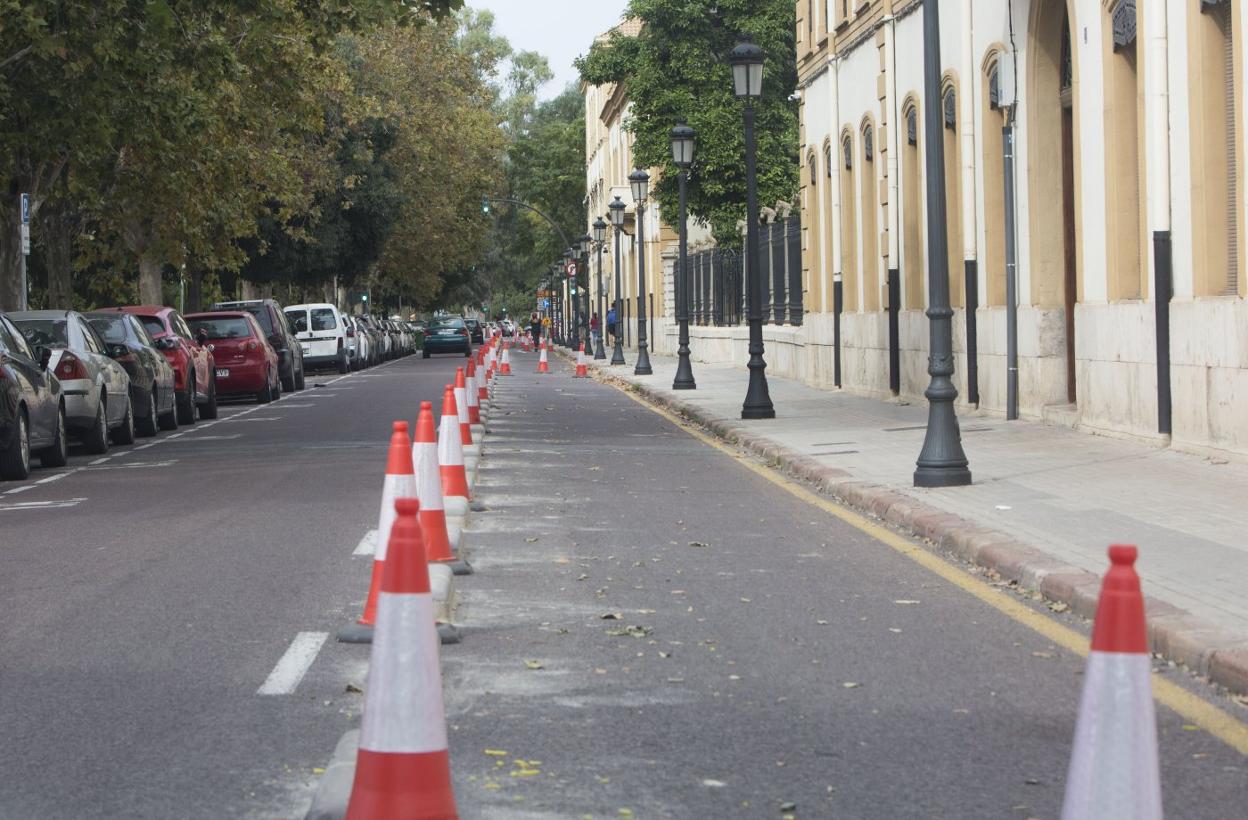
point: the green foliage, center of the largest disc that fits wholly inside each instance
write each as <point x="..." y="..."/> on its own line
<point x="676" y="69"/>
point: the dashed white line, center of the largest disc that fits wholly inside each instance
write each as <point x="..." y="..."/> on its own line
<point x="135" y="465"/>
<point x="41" y="505"/>
<point x="367" y="545"/>
<point x="98" y="461"/>
<point x="294" y="664"/>
<point x="20" y="489"/>
<point x="57" y="476"/>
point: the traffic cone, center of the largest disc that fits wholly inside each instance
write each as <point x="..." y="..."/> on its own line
<point x="400" y="482"/>
<point x="403" y="767"/>
<point x="1113" y="767"/>
<point x="440" y="544"/>
<point x="582" y="372"/>
<point x="472" y="452"/>
<point x="505" y="370"/>
<point x="474" y="399"/>
<point x="455" y="493"/>
<point x="543" y="366"/>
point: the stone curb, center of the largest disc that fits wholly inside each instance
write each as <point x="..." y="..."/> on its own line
<point x="1213" y="652"/>
<point x="334" y="790"/>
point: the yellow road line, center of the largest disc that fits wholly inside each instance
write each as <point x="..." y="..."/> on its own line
<point x="1213" y="720"/>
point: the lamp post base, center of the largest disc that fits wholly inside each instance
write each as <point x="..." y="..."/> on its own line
<point x="942" y="462"/>
<point x="643" y="362"/>
<point x="757" y="398"/>
<point x="599" y="351"/>
<point x="684" y="373"/>
<point x="617" y="355"/>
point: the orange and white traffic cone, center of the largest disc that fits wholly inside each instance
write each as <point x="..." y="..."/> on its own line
<point x="474" y="401"/>
<point x="505" y="370"/>
<point x="582" y="371"/>
<point x="403" y="767"/>
<point x="440" y="541"/>
<point x="400" y="482"/>
<point x="1113" y="767"/>
<point x="543" y="366"/>
<point x="455" y="494"/>
<point x="472" y="452"/>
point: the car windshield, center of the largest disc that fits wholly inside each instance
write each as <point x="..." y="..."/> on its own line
<point x="228" y="327"/>
<point x="262" y="316"/>
<point x="43" y="332"/>
<point x="441" y="324"/>
<point x="298" y="320"/>
<point x="153" y="324"/>
<point x="112" y="328"/>
<point x="323" y="319"/>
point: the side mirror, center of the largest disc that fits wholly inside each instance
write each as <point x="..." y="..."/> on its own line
<point x="116" y="351"/>
<point x="201" y="338"/>
<point x="166" y="343"/>
<point x="45" y="356"/>
<point x="211" y="348"/>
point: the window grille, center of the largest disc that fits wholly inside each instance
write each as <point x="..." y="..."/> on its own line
<point x="1123" y="19"/>
<point x="849" y="154"/>
<point x="994" y="89"/>
<point x="912" y="127"/>
<point x="951" y="109"/>
<point x="868" y="144"/>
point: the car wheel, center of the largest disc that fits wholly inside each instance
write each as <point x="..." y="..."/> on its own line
<point x="96" y="439"/>
<point x="288" y="383"/>
<point x="342" y="363"/>
<point x="186" y="404"/>
<point x="300" y="381"/>
<point x="58" y="454"/>
<point x="266" y="395"/>
<point x="208" y="410"/>
<point x="15" y="459"/>
<point x="424" y="354"/>
<point x="277" y="387"/>
<point x="124" y="432"/>
<point x="147" y="425"/>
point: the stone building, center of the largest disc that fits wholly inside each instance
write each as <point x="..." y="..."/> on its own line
<point x="1127" y="126"/>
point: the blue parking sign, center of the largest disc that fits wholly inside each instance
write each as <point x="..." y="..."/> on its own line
<point x="25" y="209"/>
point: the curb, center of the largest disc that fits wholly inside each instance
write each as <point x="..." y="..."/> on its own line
<point x="334" y="790"/>
<point x="1215" y="653"/>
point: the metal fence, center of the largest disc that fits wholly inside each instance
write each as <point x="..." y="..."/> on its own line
<point x="718" y="283"/>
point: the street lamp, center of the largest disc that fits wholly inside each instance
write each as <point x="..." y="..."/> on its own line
<point x="683" y="139"/>
<point x="569" y="335"/>
<point x="556" y="304"/>
<point x="600" y="239"/>
<point x="747" y="80"/>
<point x="941" y="463"/>
<point x="616" y="210"/>
<point x="582" y="296"/>
<point x="639" y="181"/>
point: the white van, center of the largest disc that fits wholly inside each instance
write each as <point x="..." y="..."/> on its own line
<point x="322" y="333"/>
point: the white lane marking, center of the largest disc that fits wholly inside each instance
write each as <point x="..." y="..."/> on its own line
<point x="134" y="465"/>
<point x="367" y="545"/>
<point x="151" y="444"/>
<point x="212" y="438"/>
<point x="298" y="405"/>
<point x="294" y="664"/>
<point x="257" y="418"/>
<point x="98" y="461"/>
<point x="20" y="489"/>
<point x="58" y="476"/>
<point x="41" y="505"/>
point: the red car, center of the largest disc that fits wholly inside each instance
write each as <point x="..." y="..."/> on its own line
<point x="194" y="374"/>
<point x="245" y="361"/>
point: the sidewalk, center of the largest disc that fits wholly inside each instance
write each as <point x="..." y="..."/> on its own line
<point x="1045" y="504"/>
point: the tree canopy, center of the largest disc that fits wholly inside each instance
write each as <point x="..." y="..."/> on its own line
<point x="676" y="69"/>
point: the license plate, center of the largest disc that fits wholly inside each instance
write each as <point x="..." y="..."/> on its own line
<point x="446" y="333"/>
<point x="223" y="374"/>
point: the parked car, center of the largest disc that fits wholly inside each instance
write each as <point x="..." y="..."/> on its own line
<point x="246" y="363"/>
<point x="195" y="382"/>
<point x="277" y="330"/>
<point x="32" y="409"/>
<point x="322" y="334"/>
<point x="447" y="334"/>
<point x="95" y="388"/>
<point x="152" y="382"/>
<point x="477" y="329"/>
<point x="357" y="344"/>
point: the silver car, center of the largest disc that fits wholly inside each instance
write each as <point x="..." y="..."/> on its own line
<point x="96" y="388"/>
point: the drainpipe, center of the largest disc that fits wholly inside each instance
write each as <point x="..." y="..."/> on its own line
<point x="966" y="119"/>
<point x="1011" y="274"/>
<point x="891" y="133"/>
<point x="838" y="288"/>
<point x="1157" y="145"/>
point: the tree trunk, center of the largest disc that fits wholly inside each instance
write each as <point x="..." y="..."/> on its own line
<point x="194" y="288"/>
<point x="59" y="226"/>
<point x="10" y="259"/>
<point x="150" y="291"/>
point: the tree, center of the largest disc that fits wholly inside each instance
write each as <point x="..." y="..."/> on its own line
<point x="675" y="69"/>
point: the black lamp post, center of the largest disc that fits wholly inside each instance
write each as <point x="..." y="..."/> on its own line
<point x="616" y="209"/>
<point x="747" y="80"/>
<point x="683" y="139"/>
<point x="600" y="239"/>
<point x="582" y="292"/>
<point x="941" y="463"/>
<point x="569" y="336"/>
<point x="556" y="303"/>
<point x="639" y="180"/>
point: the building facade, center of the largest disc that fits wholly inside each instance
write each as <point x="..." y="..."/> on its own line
<point x="1124" y="127"/>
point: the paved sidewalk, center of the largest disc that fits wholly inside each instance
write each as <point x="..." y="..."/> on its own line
<point x="1045" y="504"/>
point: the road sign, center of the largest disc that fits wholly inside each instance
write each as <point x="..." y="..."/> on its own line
<point x="26" y="224"/>
<point x="569" y="267"/>
<point x="544" y="304"/>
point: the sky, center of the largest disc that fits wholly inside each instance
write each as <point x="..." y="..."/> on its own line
<point x="561" y="30"/>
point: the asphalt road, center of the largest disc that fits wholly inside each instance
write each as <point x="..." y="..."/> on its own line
<point x="147" y="599"/>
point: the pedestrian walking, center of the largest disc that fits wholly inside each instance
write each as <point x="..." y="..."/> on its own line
<point x="535" y="326"/>
<point x="611" y="323"/>
<point x="595" y="328"/>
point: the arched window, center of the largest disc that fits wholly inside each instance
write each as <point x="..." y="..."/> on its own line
<point x="1215" y="161"/>
<point x="1124" y="216"/>
<point x="994" y="187"/>
<point x="849" y="226"/>
<point x="869" y="220"/>
<point x="912" y="211"/>
<point x="811" y="220"/>
<point x="953" y="197"/>
<point x="824" y="279"/>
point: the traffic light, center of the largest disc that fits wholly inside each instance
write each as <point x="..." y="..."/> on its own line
<point x="485" y="205"/>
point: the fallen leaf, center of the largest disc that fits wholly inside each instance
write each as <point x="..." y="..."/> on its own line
<point x="318" y="770"/>
<point x="906" y="602"/>
<point x="1058" y="606"/>
<point x="697" y="544"/>
<point x="849" y="684"/>
<point x="534" y="664"/>
<point x="894" y="629"/>
<point x="351" y="687"/>
<point x="1042" y="654"/>
<point x="495" y="753"/>
<point x="531" y="539"/>
<point x="821" y="622"/>
<point x="714" y="784"/>
<point x="611" y="616"/>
